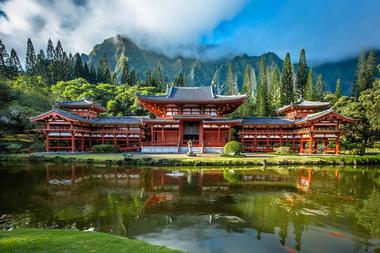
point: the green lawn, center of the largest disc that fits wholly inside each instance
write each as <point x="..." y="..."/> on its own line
<point x="199" y="160"/>
<point x="67" y="241"/>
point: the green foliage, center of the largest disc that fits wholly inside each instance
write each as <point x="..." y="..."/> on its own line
<point x="262" y="103"/>
<point x="282" y="150"/>
<point x="30" y="62"/>
<point x="319" y="88"/>
<point x="365" y="74"/>
<point x="287" y="82"/>
<point x="338" y="89"/>
<point x="309" y="88"/>
<point x="275" y="89"/>
<point x="105" y="148"/>
<point x="57" y="240"/>
<point x="14" y="148"/>
<point x="232" y="88"/>
<point x="233" y="148"/>
<point x="301" y="75"/>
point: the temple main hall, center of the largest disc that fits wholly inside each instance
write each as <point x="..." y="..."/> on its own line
<point x="198" y="114"/>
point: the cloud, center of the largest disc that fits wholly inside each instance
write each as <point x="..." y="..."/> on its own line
<point x="165" y="25"/>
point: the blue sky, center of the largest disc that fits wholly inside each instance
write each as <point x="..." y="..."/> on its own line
<point x="328" y="30"/>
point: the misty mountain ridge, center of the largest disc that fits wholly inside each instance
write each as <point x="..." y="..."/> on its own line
<point x="199" y="71"/>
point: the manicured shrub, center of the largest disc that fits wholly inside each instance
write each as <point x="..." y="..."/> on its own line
<point x="282" y="150"/>
<point x="14" y="148"/>
<point x="105" y="148"/>
<point x="376" y="144"/>
<point x="233" y="148"/>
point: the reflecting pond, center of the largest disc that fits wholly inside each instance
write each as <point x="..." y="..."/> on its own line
<point x="273" y="209"/>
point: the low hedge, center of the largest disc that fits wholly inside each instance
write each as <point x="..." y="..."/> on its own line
<point x="282" y="150"/>
<point x="233" y="148"/>
<point x="105" y="148"/>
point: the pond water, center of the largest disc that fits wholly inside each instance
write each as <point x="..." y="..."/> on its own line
<point x="279" y="209"/>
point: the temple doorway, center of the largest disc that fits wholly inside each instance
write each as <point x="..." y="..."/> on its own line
<point x="191" y="131"/>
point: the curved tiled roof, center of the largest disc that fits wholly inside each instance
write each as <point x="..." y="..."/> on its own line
<point x="304" y="103"/>
<point x="191" y="94"/>
<point x="80" y="104"/>
<point x="111" y="120"/>
<point x="118" y="120"/>
<point x="266" y="121"/>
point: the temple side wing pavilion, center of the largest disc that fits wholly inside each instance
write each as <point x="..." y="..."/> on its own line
<point x="192" y="113"/>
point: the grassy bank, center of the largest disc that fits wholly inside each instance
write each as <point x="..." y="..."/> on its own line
<point x="201" y="160"/>
<point x="56" y="240"/>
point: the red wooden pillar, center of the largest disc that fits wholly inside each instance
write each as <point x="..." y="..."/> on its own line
<point x="114" y="137"/>
<point x="47" y="144"/>
<point x="82" y="143"/>
<point x="200" y="132"/>
<point x="163" y="134"/>
<point x="72" y="142"/>
<point x="151" y="134"/>
<point x="242" y="136"/>
<point x="128" y="136"/>
<point x="218" y="134"/>
<point x="311" y="144"/>
<point x="229" y="133"/>
<point x="337" y="145"/>
<point x="316" y="145"/>
<point x="293" y="142"/>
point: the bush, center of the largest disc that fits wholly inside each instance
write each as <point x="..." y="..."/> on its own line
<point x="233" y="148"/>
<point x="14" y="148"/>
<point x="376" y="144"/>
<point x="105" y="148"/>
<point x="282" y="150"/>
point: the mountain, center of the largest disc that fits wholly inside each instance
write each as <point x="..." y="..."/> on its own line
<point x="196" y="71"/>
<point x="343" y="69"/>
<point x="203" y="72"/>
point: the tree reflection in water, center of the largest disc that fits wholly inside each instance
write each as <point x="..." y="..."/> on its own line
<point x="282" y="202"/>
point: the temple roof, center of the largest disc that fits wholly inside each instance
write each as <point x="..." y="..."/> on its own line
<point x="109" y="120"/>
<point x="191" y="94"/>
<point x="317" y="115"/>
<point x="80" y="104"/>
<point x="304" y="104"/>
<point x="266" y="121"/>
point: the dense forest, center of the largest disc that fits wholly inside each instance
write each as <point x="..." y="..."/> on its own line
<point x="53" y="75"/>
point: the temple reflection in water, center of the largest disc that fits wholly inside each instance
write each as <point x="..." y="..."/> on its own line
<point x="278" y="203"/>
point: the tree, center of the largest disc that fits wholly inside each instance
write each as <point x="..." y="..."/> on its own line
<point x="319" y="88"/>
<point x="365" y="109"/>
<point x="179" y="81"/>
<point x="309" y="88"/>
<point x="30" y="62"/>
<point x="262" y="106"/>
<point x="86" y="71"/>
<point x="249" y="81"/>
<point x="338" y="91"/>
<point x="287" y="87"/>
<point x="41" y="65"/>
<point x="159" y="79"/>
<point x="93" y="74"/>
<point x="301" y="75"/>
<point x="78" y="67"/>
<point x="14" y="63"/>
<point x="232" y="88"/>
<point x="371" y="69"/>
<point x="124" y="78"/>
<point x="104" y="75"/>
<point x="50" y="51"/>
<point x="275" y="89"/>
<point x="4" y="60"/>
<point x="132" y="78"/>
<point x="361" y="75"/>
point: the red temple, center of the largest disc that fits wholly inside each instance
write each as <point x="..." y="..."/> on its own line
<point x="192" y="113"/>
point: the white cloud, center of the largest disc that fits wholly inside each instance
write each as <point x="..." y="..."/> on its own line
<point x="164" y="24"/>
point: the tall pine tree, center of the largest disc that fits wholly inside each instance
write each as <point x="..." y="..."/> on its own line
<point x="262" y="103"/>
<point x="14" y="63"/>
<point x="371" y="69"/>
<point x="319" y="88"/>
<point x="361" y="75"/>
<point x="179" y="81"/>
<point x="78" y="67"/>
<point x="338" y="91"/>
<point x="30" y="62"/>
<point x="301" y="75"/>
<point x="275" y="89"/>
<point x="232" y="88"/>
<point x="4" y="61"/>
<point x="50" y="51"/>
<point x="287" y="82"/>
<point x="309" y="88"/>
